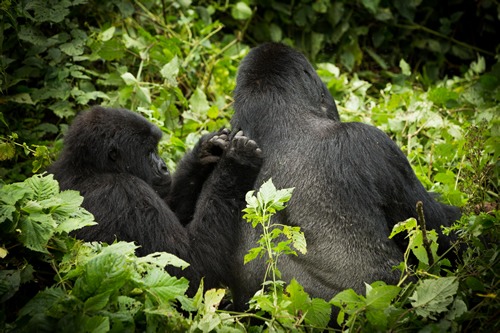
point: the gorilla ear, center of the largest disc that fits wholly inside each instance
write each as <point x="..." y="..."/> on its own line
<point x="113" y="154"/>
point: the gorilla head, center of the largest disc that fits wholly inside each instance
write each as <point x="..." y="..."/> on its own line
<point x="279" y="77"/>
<point x="116" y="141"/>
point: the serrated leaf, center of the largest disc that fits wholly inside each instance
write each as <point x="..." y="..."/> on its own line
<point x="163" y="259"/>
<point x="407" y="225"/>
<point x="381" y="295"/>
<point x="164" y="288"/>
<point x="433" y="296"/>
<point x="105" y="272"/>
<point x="252" y="254"/>
<point x="349" y="299"/>
<point x="13" y="193"/>
<point x="318" y="313"/>
<point x="297" y="237"/>
<point x="36" y="230"/>
<point x="43" y="186"/>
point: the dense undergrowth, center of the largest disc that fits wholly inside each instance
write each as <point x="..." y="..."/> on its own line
<point x="175" y="62"/>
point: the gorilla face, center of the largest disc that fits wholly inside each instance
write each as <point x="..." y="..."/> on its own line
<point x="119" y="142"/>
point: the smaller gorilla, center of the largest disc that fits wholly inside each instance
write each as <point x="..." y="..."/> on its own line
<point x="352" y="182"/>
<point x="110" y="156"/>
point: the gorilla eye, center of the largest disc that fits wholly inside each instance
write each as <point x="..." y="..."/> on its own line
<point x="113" y="154"/>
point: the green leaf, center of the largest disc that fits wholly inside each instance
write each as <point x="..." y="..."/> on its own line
<point x="143" y="94"/>
<point x="319" y="313"/>
<point x="213" y="297"/>
<point x="275" y="33"/>
<point x="253" y="253"/>
<point x="36" y="230"/>
<point x="378" y="299"/>
<point x="297" y="237"/>
<point x="163" y="259"/>
<point x="10" y="281"/>
<point x="241" y="11"/>
<point x="129" y="78"/>
<point x="371" y="5"/>
<point x="108" y="34"/>
<point x="433" y="296"/>
<point x="43" y="186"/>
<point x="97" y="302"/>
<point x="170" y="71"/>
<point x="349" y="300"/>
<point x="105" y="272"/>
<point x="97" y="324"/>
<point x="162" y="287"/>
<point x="407" y="225"/>
<point x="405" y="68"/>
<point x="199" y="102"/>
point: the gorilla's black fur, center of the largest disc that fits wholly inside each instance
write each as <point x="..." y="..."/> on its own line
<point x="110" y="156"/>
<point x="352" y="182"/>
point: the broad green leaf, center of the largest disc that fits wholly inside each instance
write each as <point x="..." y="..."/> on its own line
<point x="162" y="287"/>
<point x="105" y="272"/>
<point x="143" y="94"/>
<point x="371" y="5"/>
<point x="80" y="219"/>
<point x="108" y="34"/>
<point x="275" y="33"/>
<point x="129" y="78"/>
<point x="241" y="11"/>
<point x="348" y="299"/>
<point x="45" y="299"/>
<point x="170" y="70"/>
<point x="97" y="302"/>
<point x="36" y="230"/>
<point x="96" y="324"/>
<point x="43" y="186"/>
<point x="199" y="103"/>
<point x="433" y="296"/>
<point x="112" y="49"/>
<point x="213" y="297"/>
<point x="318" y="313"/>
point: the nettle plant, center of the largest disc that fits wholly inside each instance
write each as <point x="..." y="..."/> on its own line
<point x="290" y="306"/>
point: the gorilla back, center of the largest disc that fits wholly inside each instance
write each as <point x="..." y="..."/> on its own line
<point x="110" y="156"/>
<point x="352" y="183"/>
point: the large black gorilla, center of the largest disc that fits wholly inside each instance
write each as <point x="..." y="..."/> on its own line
<point x="110" y="156"/>
<point x="352" y="182"/>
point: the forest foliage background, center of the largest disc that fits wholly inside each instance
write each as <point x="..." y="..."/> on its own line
<point x="425" y="72"/>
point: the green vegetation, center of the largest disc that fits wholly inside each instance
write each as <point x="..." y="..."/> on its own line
<point x="428" y="75"/>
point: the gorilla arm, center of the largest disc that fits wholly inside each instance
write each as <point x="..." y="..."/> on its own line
<point x="192" y="172"/>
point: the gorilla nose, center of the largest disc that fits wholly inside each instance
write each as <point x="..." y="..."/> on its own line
<point x="163" y="167"/>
